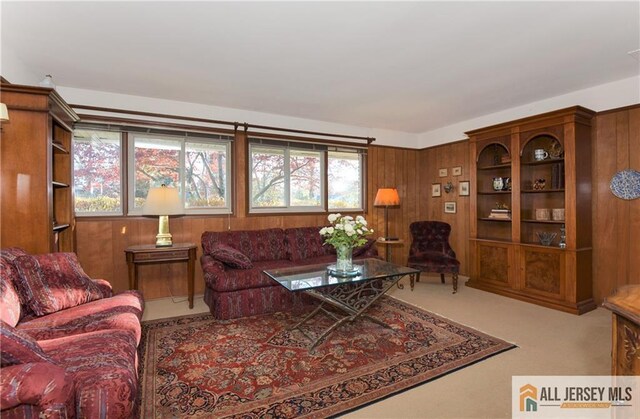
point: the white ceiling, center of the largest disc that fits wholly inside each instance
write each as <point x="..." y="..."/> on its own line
<point x="410" y="67"/>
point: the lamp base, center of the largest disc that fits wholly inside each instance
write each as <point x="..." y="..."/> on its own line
<point x="164" y="238"/>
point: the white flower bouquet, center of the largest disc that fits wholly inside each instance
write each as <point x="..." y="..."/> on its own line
<point x="346" y="231"/>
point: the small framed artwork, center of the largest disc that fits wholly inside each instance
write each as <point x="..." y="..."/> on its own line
<point x="464" y="188"/>
<point x="450" y="207"/>
<point x="457" y="171"/>
<point x="442" y="172"/>
<point x="435" y="189"/>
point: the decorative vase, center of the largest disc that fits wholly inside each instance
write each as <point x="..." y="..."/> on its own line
<point x="344" y="262"/>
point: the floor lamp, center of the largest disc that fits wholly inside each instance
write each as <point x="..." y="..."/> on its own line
<point x="387" y="197"/>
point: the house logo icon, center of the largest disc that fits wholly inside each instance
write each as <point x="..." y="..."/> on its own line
<point x="528" y="398"/>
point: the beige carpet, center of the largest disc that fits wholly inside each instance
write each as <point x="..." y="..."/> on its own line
<point x="550" y="343"/>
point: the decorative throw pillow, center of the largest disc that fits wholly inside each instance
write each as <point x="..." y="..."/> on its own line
<point x="19" y="348"/>
<point x="55" y="281"/>
<point x="10" y="309"/>
<point x="230" y="256"/>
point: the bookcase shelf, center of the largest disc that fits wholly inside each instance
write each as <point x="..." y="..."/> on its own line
<point x="37" y="145"/>
<point x="506" y="254"/>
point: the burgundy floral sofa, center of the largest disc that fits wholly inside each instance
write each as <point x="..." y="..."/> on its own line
<point x="69" y="346"/>
<point x="233" y="261"/>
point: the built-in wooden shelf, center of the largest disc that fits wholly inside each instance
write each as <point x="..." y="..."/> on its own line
<point x="494" y="193"/>
<point x="496" y="166"/>
<point x="57" y="184"/>
<point x="60" y="227"/>
<point x="542" y="190"/>
<point x="543" y="221"/>
<point x="539" y="162"/>
<point x="59" y="148"/>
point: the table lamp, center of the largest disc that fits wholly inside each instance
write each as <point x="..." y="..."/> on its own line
<point x="387" y="197"/>
<point x="163" y="201"/>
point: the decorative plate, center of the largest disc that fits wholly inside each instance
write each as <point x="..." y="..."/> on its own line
<point x="556" y="151"/>
<point x="626" y="184"/>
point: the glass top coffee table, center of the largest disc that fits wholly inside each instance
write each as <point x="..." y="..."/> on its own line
<point x="351" y="295"/>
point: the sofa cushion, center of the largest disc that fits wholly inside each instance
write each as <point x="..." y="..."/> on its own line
<point x="19" y="348"/>
<point x="103" y="365"/>
<point x="122" y="312"/>
<point x="230" y="256"/>
<point x="257" y="245"/>
<point x="240" y="279"/>
<point x="10" y="307"/>
<point x="55" y="281"/>
<point x="304" y="243"/>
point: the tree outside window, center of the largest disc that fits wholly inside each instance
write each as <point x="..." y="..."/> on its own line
<point x="286" y="178"/>
<point x="97" y="172"/>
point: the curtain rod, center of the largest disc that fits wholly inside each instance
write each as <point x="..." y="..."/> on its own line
<point x="245" y="125"/>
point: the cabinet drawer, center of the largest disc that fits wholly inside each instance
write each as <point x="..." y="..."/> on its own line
<point x="157" y="256"/>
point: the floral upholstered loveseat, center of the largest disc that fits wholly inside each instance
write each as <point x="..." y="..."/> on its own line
<point x="233" y="263"/>
<point x="69" y="346"/>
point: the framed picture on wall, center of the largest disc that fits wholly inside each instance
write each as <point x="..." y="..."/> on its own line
<point x="450" y="207"/>
<point x="457" y="171"/>
<point x="435" y="189"/>
<point x="464" y="188"/>
<point x="442" y="172"/>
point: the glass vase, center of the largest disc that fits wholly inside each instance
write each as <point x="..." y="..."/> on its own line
<point x="344" y="262"/>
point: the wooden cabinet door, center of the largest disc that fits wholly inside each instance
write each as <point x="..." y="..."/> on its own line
<point x="542" y="271"/>
<point x="494" y="263"/>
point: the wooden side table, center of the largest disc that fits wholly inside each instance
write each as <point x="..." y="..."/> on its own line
<point x="388" y="244"/>
<point x="149" y="253"/>
<point x="625" y="353"/>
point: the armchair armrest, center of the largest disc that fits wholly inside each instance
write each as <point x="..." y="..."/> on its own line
<point x="212" y="269"/>
<point x="40" y="384"/>
<point x="105" y="287"/>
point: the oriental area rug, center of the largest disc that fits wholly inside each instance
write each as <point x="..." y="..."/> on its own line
<point x="255" y="367"/>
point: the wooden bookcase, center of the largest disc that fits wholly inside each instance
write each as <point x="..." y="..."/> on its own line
<point x="506" y="254"/>
<point x="37" y="192"/>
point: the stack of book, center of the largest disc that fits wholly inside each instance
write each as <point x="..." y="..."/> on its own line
<point x="501" y="214"/>
<point x="557" y="176"/>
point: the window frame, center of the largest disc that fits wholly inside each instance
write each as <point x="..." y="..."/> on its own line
<point x="323" y="208"/>
<point x="183" y="140"/>
<point x="122" y="158"/>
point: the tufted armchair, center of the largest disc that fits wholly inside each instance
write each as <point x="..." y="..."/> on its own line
<point x="430" y="250"/>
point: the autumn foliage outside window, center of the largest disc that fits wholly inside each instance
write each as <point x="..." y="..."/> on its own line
<point x="198" y="167"/>
<point x="97" y="174"/>
<point x="285" y="178"/>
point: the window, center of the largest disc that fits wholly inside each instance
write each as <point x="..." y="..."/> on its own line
<point x="293" y="177"/>
<point x="97" y="172"/>
<point x="197" y="164"/>
<point x="198" y="168"/>
<point x="345" y="180"/>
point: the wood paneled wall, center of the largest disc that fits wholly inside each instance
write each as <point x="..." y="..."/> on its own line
<point x="616" y="222"/>
<point x="433" y="159"/>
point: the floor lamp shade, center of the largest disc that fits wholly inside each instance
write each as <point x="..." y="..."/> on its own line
<point x="387" y="197"/>
<point x="163" y="201"/>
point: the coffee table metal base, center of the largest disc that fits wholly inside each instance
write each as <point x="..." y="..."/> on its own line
<point x="351" y="298"/>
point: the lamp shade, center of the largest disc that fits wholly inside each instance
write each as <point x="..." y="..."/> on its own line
<point x="163" y="201"/>
<point x="386" y="197"/>
<point x="4" y="113"/>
